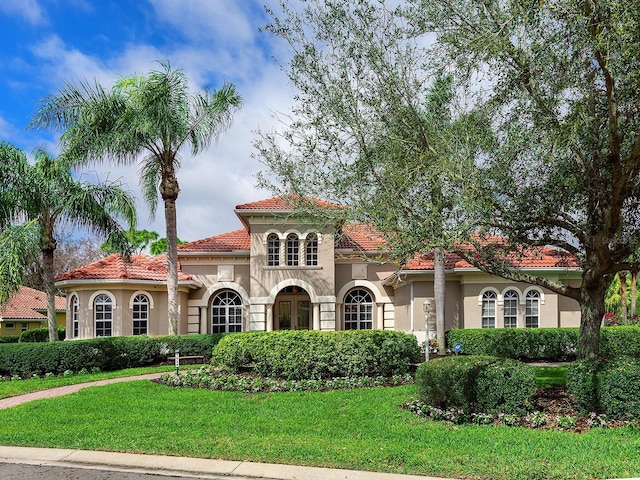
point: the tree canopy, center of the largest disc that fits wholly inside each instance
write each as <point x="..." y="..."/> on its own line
<point x="544" y="143"/>
<point x="40" y="199"/>
<point x="147" y="119"/>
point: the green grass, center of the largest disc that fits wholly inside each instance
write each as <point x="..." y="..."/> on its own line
<point x="11" y="388"/>
<point x="355" y="429"/>
<point x="551" y="376"/>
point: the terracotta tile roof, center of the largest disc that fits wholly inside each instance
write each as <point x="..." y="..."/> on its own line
<point x="227" y="242"/>
<point x="283" y="203"/>
<point x="533" y="257"/>
<point x="24" y="305"/>
<point x="361" y="237"/>
<point x="141" y="267"/>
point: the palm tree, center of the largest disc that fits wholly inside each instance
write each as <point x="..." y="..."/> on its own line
<point x="148" y="117"/>
<point x="42" y="197"/>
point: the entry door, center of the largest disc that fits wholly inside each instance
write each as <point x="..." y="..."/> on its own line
<point x="294" y="315"/>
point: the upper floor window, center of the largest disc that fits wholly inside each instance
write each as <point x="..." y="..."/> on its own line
<point x="532" y="309"/>
<point x="273" y="250"/>
<point x="293" y="250"/>
<point x="511" y="309"/>
<point x="489" y="300"/>
<point x="358" y="310"/>
<point x="140" y="315"/>
<point x="226" y="312"/>
<point x="311" y="253"/>
<point x="103" y="315"/>
<point x="75" y="316"/>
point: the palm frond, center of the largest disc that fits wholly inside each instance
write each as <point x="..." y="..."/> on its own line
<point x="19" y="248"/>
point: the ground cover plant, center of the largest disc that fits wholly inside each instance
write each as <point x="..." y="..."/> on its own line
<point x="355" y="429"/>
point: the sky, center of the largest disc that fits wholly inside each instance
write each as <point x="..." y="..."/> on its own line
<point x="46" y="43"/>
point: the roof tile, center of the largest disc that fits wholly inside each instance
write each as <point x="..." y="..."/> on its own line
<point x="25" y="303"/>
<point x="226" y="242"/>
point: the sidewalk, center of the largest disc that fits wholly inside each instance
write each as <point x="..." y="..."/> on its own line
<point x="175" y="466"/>
<point x="184" y="466"/>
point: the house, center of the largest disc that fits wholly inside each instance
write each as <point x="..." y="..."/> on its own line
<point x="27" y="310"/>
<point x="281" y="272"/>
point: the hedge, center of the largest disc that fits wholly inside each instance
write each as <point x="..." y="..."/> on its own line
<point x="41" y="335"/>
<point x="307" y="355"/>
<point x="107" y="354"/>
<point x="477" y="384"/>
<point x="609" y="386"/>
<point x="552" y="344"/>
<point x="9" y="338"/>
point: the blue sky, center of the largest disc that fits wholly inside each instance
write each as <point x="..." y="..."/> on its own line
<point x="45" y="43"/>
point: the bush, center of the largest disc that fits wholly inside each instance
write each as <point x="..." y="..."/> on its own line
<point x="618" y="341"/>
<point x="610" y="387"/>
<point x="41" y="335"/>
<point x="9" y="339"/>
<point x="105" y="354"/>
<point x="304" y="355"/>
<point x="476" y="384"/>
<point x="553" y="344"/>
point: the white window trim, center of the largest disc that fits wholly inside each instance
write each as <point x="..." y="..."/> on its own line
<point x="141" y="292"/>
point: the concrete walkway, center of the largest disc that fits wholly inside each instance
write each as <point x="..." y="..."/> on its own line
<point x="166" y="465"/>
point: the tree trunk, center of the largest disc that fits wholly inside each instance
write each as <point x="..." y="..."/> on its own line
<point x="592" y="311"/>
<point x="49" y="288"/>
<point x="623" y="296"/>
<point x="172" y="265"/>
<point x="634" y="293"/>
<point x="439" y="294"/>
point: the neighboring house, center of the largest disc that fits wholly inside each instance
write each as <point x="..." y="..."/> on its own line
<point x="27" y="310"/>
<point x="278" y="272"/>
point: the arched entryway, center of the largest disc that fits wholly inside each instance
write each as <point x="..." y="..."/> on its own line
<point x="292" y="309"/>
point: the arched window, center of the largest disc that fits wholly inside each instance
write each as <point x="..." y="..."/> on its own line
<point x="103" y="315"/>
<point x="489" y="309"/>
<point x="226" y="313"/>
<point x="312" y="250"/>
<point x="511" y="309"/>
<point x="273" y="250"/>
<point x="75" y="316"/>
<point x="532" y="309"/>
<point x="358" y="310"/>
<point x="293" y="250"/>
<point x="140" y="315"/>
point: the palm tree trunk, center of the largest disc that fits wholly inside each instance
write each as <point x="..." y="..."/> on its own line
<point x="634" y="292"/>
<point x="49" y="288"/>
<point x="172" y="265"/>
<point x="439" y="294"/>
<point x="623" y="295"/>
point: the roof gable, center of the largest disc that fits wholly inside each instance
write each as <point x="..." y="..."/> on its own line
<point x="226" y="242"/>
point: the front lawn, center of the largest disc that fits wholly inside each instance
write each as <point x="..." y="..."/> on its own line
<point x="361" y="429"/>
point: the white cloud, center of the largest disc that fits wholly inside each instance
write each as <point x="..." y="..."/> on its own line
<point x="29" y="10"/>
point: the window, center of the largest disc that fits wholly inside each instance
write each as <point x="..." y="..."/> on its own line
<point x="103" y="315"/>
<point x="25" y="327"/>
<point x="511" y="309"/>
<point x="10" y="326"/>
<point x="75" y="317"/>
<point x="226" y="313"/>
<point x="532" y="309"/>
<point x="489" y="309"/>
<point x="293" y="250"/>
<point x="312" y="250"/>
<point x="273" y="250"/>
<point x="140" y="315"/>
<point x="358" y="310"/>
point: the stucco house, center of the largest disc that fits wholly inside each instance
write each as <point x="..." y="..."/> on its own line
<point x="279" y="272"/>
<point x="27" y="310"/>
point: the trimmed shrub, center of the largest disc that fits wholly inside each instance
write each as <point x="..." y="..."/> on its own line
<point x="476" y="384"/>
<point x="106" y="354"/>
<point x="9" y="339"/>
<point x="610" y="387"/>
<point x="41" y="335"/>
<point x="305" y="355"/>
<point x="618" y="341"/>
<point x="554" y="344"/>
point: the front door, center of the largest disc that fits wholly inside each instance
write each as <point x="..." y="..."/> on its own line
<point x="292" y="314"/>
